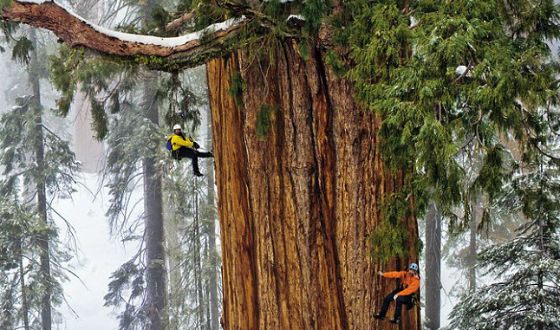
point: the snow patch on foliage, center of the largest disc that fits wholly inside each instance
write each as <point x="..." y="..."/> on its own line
<point x="413" y="22"/>
<point x="460" y="70"/>
<point x="296" y="17"/>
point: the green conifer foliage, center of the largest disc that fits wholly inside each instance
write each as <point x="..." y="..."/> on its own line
<point x="18" y="128"/>
<point x="102" y="79"/>
<point x="21" y="228"/>
<point x="181" y="100"/>
<point x="4" y="3"/>
<point x="447" y="74"/>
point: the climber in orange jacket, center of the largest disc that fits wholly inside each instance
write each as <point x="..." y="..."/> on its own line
<point x="410" y="283"/>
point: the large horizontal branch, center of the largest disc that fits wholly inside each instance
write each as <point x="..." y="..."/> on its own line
<point x="187" y="50"/>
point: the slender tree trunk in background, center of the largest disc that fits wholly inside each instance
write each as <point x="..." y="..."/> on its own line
<point x="7" y="314"/>
<point x="174" y="257"/>
<point x="541" y="308"/>
<point x="433" y="267"/>
<point x="472" y="254"/>
<point x="45" y="264"/>
<point x="476" y="215"/>
<point x="88" y="150"/>
<point x="211" y="223"/>
<point x="296" y="205"/>
<point x="156" y="287"/>
<point x="213" y="253"/>
<point x="198" y="264"/>
<point x="206" y="273"/>
<point x="24" y="303"/>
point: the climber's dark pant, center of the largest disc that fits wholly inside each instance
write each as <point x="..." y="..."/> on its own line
<point x="192" y="154"/>
<point x="407" y="300"/>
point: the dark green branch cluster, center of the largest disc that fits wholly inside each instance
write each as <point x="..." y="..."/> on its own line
<point x="448" y="76"/>
<point x="5" y="3"/>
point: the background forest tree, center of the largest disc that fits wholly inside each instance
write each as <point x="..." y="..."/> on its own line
<point x="38" y="168"/>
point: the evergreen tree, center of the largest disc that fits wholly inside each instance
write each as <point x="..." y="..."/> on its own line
<point x="525" y="293"/>
<point x="468" y="226"/>
<point x="45" y="149"/>
<point x="14" y="227"/>
<point x="126" y="213"/>
<point x="23" y="227"/>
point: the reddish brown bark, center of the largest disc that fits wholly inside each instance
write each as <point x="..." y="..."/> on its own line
<point x="296" y="206"/>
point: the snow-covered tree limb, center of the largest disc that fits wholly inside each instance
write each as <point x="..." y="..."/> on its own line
<point x="184" y="51"/>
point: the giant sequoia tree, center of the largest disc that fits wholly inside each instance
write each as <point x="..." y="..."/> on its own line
<point x="335" y="121"/>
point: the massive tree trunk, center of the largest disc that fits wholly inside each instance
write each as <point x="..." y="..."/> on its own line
<point x="296" y="204"/>
<point x="433" y="267"/>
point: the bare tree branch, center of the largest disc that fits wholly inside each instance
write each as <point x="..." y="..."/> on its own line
<point x="176" y="24"/>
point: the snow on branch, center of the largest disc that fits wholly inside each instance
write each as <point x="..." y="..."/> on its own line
<point x="77" y="31"/>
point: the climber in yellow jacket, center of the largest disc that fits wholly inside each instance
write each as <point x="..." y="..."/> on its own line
<point x="410" y="283"/>
<point x="182" y="146"/>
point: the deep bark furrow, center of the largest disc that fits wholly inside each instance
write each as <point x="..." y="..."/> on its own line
<point x="276" y="272"/>
<point x="284" y="199"/>
<point x="317" y="223"/>
<point x="302" y="173"/>
<point x="326" y="160"/>
<point x="333" y="147"/>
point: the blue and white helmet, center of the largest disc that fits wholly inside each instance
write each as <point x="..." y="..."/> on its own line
<point x="413" y="266"/>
